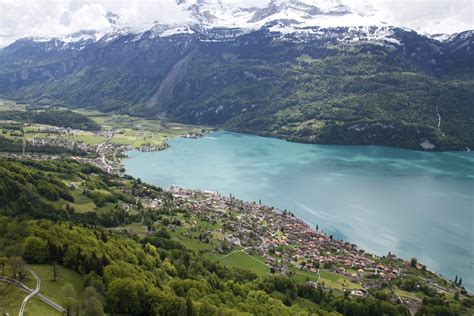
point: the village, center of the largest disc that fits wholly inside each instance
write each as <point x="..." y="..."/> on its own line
<point x="287" y="244"/>
<point x="100" y="149"/>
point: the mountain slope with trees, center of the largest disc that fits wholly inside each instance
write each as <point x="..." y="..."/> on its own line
<point x="341" y="85"/>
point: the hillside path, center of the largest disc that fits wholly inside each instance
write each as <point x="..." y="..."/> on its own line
<point x="33" y="293"/>
<point x="40" y="296"/>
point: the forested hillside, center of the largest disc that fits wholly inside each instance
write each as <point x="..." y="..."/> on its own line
<point x="64" y="190"/>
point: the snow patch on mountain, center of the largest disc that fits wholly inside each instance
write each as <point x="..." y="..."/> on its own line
<point x="324" y="13"/>
<point x="384" y="35"/>
<point x="177" y="30"/>
<point x="304" y="18"/>
<point x="219" y="20"/>
<point x="90" y="35"/>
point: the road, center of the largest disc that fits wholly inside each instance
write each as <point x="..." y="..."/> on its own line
<point x="310" y="275"/>
<point x="244" y="251"/>
<point x="240" y="250"/>
<point x="33" y="293"/>
<point x="26" y="289"/>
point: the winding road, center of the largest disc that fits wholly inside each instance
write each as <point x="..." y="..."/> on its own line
<point x="32" y="293"/>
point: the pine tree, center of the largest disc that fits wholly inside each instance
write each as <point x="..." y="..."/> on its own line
<point x="456" y="280"/>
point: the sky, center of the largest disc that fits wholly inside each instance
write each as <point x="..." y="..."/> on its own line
<point x="48" y="18"/>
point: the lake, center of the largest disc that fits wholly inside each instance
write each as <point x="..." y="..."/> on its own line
<point x="414" y="204"/>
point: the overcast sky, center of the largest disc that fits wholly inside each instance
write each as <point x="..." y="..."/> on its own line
<point x="20" y="18"/>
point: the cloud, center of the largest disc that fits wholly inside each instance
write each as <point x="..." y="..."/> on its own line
<point x="433" y="16"/>
<point x="46" y="18"/>
<point x="137" y="12"/>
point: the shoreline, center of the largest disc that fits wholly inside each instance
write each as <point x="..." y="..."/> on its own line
<point x="115" y="165"/>
<point x="302" y="141"/>
<point x="378" y="253"/>
<point x="364" y="260"/>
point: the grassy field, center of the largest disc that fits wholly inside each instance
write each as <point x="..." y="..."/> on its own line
<point x="89" y="138"/>
<point x="78" y="207"/>
<point x="134" y="131"/>
<point x="406" y="294"/>
<point x="328" y="279"/>
<point x="241" y="259"/>
<point x="193" y="244"/>
<point x="82" y="203"/>
<point x="337" y="281"/>
<point x="302" y="276"/>
<point x="11" y="297"/>
<point x="52" y="289"/>
<point x="134" y="228"/>
<point x="36" y="307"/>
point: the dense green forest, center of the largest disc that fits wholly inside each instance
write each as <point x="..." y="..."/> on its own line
<point x="60" y="118"/>
<point x="42" y="221"/>
<point x="353" y="96"/>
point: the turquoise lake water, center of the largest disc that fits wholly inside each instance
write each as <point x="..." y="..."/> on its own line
<point x="414" y="204"/>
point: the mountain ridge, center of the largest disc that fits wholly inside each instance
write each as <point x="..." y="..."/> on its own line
<point x="214" y="14"/>
<point x="336" y="85"/>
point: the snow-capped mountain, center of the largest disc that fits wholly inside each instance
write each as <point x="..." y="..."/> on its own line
<point x="220" y="20"/>
<point x="80" y="39"/>
<point x="214" y="13"/>
<point x="304" y="70"/>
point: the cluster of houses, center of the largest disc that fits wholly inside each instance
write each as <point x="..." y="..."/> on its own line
<point x="284" y="240"/>
<point x="53" y="130"/>
<point x="150" y="148"/>
<point x="28" y="156"/>
<point x="105" y="151"/>
<point x="192" y="135"/>
<point x="59" y="142"/>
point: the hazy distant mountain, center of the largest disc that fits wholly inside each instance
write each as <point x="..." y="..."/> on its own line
<point x="291" y="69"/>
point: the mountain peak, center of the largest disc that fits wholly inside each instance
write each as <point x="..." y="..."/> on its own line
<point x="326" y="13"/>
